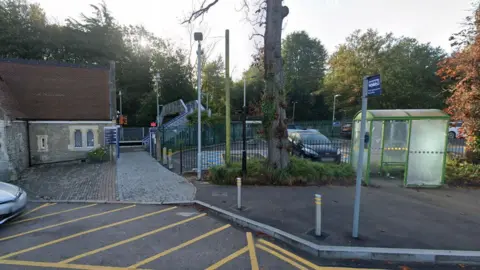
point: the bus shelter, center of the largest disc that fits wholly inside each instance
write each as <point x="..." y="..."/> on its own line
<point x="412" y="143"/>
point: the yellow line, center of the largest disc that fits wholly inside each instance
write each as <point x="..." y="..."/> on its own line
<point x="63" y="223"/>
<point x="82" y="233"/>
<point x="37" y="208"/>
<point x="52" y="214"/>
<point x="184" y="244"/>
<point x="281" y="257"/>
<point x="251" y="250"/>
<point x="228" y="258"/>
<point x="59" y="265"/>
<point x="130" y="239"/>
<point x="290" y="254"/>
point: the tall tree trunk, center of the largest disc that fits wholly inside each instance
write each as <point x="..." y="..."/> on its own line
<point x="273" y="106"/>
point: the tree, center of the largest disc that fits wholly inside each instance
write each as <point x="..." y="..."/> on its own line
<point x="304" y="59"/>
<point x="213" y="85"/>
<point x="460" y="71"/>
<point x="407" y="68"/>
<point x="271" y="14"/>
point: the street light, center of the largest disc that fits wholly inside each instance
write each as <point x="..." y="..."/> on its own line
<point x="333" y="114"/>
<point x="156" y="80"/>
<point x="244" y="128"/>
<point x="198" y="36"/>
<point x="293" y="116"/>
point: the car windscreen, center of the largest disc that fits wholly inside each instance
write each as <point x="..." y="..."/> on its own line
<point x="314" y="138"/>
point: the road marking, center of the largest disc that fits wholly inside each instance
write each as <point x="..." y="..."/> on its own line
<point x="281" y="257"/>
<point x="63" y="223"/>
<point x="290" y="254"/>
<point x="83" y="233"/>
<point x="59" y="265"/>
<point x="228" y="258"/>
<point x="37" y="208"/>
<point x="130" y="239"/>
<point x="251" y="251"/>
<point x="52" y="214"/>
<point x="184" y="244"/>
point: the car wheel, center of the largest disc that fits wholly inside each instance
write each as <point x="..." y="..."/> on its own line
<point x="451" y="135"/>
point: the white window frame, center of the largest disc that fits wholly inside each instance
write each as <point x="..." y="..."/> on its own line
<point x="84" y="131"/>
<point x="87" y="140"/>
<point x="75" y="138"/>
<point x="42" y="143"/>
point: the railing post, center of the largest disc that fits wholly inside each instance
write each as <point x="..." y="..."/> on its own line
<point x="318" y="214"/>
<point x="239" y="193"/>
<point x="181" y="159"/>
<point x="164" y="154"/>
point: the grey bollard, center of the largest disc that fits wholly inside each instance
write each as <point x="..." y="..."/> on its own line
<point x="170" y="162"/>
<point x="164" y="153"/>
<point x="239" y="193"/>
<point x="318" y="215"/>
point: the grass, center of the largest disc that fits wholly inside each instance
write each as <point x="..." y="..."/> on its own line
<point x="299" y="172"/>
<point x="462" y="173"/>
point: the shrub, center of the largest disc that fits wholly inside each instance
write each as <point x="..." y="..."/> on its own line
<point x="299" y="172"/>
<point x="461" y="173"/>
<point x="98" y="155"/>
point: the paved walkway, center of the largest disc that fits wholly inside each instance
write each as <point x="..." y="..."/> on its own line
<point x="141" y="178"/>
<point x="70" y="181"/>
<point x="390" y="216"/>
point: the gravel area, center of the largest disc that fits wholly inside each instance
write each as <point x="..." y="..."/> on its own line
<point x="142" y="178"/>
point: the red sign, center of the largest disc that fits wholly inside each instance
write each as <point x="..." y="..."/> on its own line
<point x="153" y="124"/>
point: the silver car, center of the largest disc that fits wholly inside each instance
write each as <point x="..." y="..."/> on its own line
<point x="12" y="201"/>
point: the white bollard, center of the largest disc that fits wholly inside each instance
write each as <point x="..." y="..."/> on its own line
<point x="170" y="162"/>
<point x="239" y="193"/>
<point x="164" y="153"/>
<point x="318" y="215"/>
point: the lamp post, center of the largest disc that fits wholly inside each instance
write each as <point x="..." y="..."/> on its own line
<point x="120" y="96"/>
<point x="333" y="113"/>
<point x="293" y="116"/>
<point x="156" y="80"/>
<point x="198" y="36"/>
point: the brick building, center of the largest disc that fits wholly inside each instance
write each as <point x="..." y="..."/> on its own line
<point x="51" y="112"/>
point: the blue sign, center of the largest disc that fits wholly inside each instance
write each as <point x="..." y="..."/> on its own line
<point x="374" y="85"/>
<point x="110" y="135"/>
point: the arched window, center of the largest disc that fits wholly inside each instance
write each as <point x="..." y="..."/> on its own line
<point x="90" y="138"/>
<point x="78" y="138"/>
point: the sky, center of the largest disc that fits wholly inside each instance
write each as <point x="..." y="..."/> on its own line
<point x="330" y="21"/>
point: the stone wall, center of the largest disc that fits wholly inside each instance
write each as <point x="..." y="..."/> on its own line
<point x="55" y="141"/>
<point x="13" y="149"/>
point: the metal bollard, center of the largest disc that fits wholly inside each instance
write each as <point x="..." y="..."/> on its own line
<point x="239" y="193"/>
<point x="318" y="215"/>
<point x="170" y="163"/>
<point x="165" y="161"/>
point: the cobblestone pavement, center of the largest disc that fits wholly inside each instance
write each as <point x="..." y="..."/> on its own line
<point x="142" y="178"/>
<point x="73" y="181"/>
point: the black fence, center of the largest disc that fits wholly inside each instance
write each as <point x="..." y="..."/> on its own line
<point x="185" y="158"/>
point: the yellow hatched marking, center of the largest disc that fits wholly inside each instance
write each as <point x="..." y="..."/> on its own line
<point x="83" y="233"/>
<point x="281" y="257"/>
<point x="63" y="223"/>
<point x="130" y="239"/>
<point x="168" y="251"/>
<point x="53" y="214"/>
<point x="290" y="254"/>
<point x="228" y="258"/>
<point x="251" y="251"/>
<point x="37" y="208"/>
<point x="59" y="265"/>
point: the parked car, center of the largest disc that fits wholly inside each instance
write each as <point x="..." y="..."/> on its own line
<point x="454" y="130"/>
<point x="293" y="128"/>
<point x="314" y="145"/>
<point x="12" y="201"/>
<point x="346" y="130"/>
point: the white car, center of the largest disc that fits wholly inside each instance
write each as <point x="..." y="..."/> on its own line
<point x="454" y="130"/>
<point x="12" y="201"/>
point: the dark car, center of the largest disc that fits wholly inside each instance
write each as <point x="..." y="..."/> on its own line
<point x="315" y="146"/>
<point x="346" y="130"/>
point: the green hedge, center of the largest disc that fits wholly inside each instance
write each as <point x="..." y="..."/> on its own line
<point x="462" y="173"/>
<point x="299" y="172"/>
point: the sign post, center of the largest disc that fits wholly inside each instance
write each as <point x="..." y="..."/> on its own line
<point x="371" y="87"/>
<point x="111" y="138"/>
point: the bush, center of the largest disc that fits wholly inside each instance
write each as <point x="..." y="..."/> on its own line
<point x="299" y="172"/>
<point x="462" y="173"/>
<point x="98" y="155"/>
